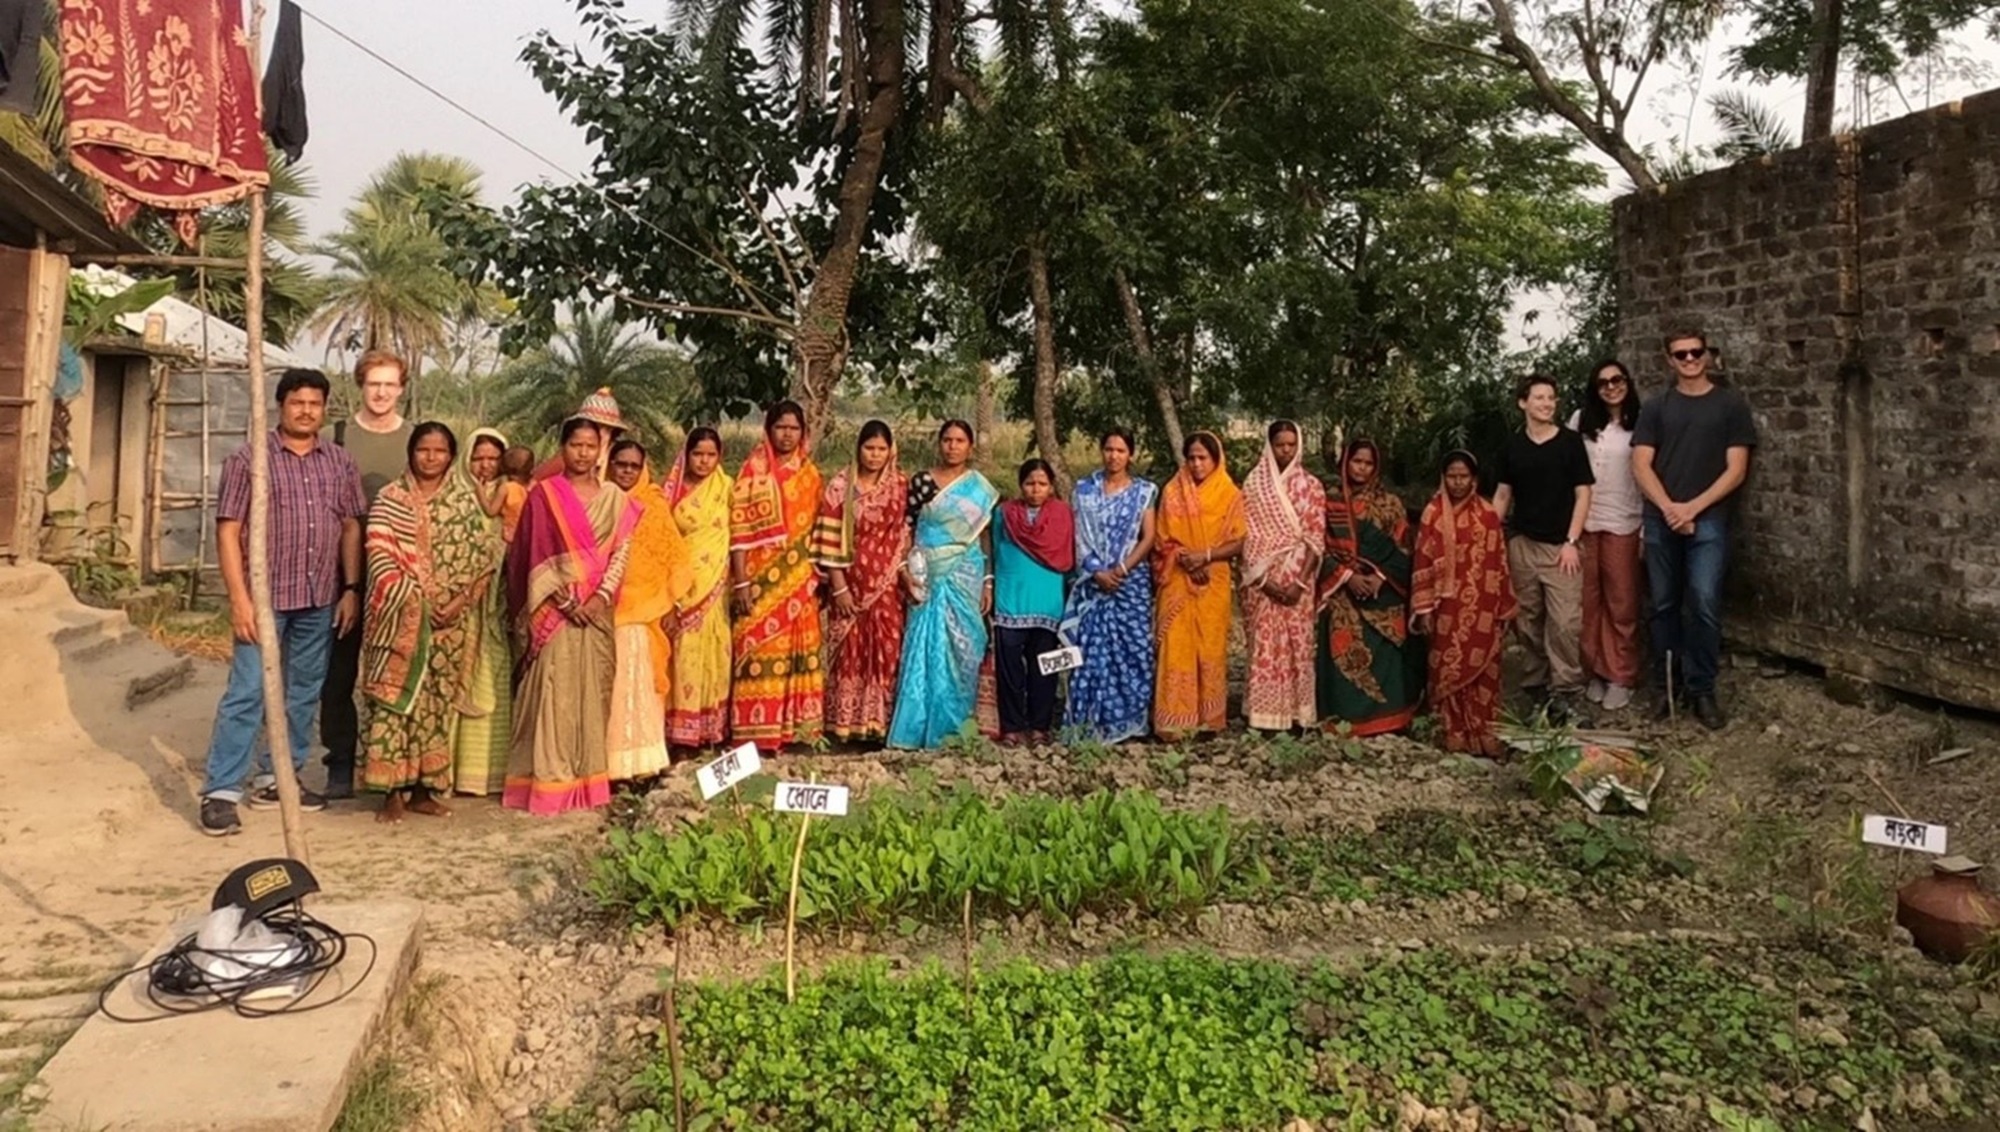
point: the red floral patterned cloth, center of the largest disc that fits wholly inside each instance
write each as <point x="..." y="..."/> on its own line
<point x="161" y="104"/>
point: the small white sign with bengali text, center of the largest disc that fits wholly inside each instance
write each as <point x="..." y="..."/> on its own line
<point x="733" y="767"/>
<point x="1060" y="660"/>
<point x="810" y="798"/>
<point x="1902" y="833"/>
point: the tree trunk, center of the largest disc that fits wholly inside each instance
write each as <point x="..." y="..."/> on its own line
<point x="1149" y="362"/>
<point x="820" y="348"/>
<point x="1556" y="95"/>
<point x="1822" y="70"/>
<point x="983" y="415"/>
<point x="1047" y="441"/>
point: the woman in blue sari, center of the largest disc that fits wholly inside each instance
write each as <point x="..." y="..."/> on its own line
<point x="1110" y="610"/>
<point x="951" y="591"/>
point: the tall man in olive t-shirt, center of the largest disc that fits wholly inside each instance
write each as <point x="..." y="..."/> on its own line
<point x="1543" y="496"/>
<point x="1690" y="452"/>
<point x="378" y="439"/>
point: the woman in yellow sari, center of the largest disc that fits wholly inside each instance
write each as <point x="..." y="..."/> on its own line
<point x="657" y="579"/>
<point x="486" y="718"/>
<point x="780" y="689"/>
<point x="698" y="490"/>
<point x="1201" y="531"/>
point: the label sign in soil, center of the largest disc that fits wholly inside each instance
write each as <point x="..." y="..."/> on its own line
<point x="732" y="768"/>
<point x="1060" y="660"/>
<point x="1902" y="833"/>
<point x="808" y="798"/>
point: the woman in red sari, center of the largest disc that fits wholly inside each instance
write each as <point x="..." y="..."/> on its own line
<point x="772" y="512"/>
<point x="1461" y="596"/>
<point x="862" y="538"/>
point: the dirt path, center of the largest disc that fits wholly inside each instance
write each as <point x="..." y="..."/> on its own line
<point x="100" y="857"/>
<point x="525" y="993"/>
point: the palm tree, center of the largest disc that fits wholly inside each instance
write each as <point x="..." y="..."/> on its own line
<point x="654" y="384"/>
<point x="392" y="286"/>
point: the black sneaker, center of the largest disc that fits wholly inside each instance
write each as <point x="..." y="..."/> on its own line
<point x="1665" y="711"/>
<point x="267" y="799"/>
<point x="218" y="817"/>
<point x="1709" y="712"/>
<point x="339" y="783"/>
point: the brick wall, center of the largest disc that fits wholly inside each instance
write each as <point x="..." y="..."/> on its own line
<point x="1853" y="289"/>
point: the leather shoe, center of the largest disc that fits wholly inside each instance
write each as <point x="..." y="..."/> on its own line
<point x="1709" y="712"/>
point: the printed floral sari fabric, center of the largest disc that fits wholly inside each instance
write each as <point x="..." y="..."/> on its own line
<point x="160" y="105"/>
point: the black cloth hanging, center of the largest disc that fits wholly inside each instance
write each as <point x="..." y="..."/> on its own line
<point x="285" y="85"/>
<point x="20" y="55"/>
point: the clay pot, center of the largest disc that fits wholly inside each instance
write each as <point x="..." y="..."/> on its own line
<point x="1947" y="913"/>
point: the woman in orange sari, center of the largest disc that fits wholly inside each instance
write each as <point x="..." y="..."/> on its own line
<point x="861" y="541"/>
<point x="657" y="580"/>
<point x="1201" y="531"/>
<point x="779" y="693"/>
<point x="1462" y="597"/>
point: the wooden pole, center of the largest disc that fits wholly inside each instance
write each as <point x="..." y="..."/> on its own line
<point x="276" y="726"/>
<point x="792" y="908"/>
<point x="223" y="263"/>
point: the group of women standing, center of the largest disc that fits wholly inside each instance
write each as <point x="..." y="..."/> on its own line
<point x="546" y="638"/>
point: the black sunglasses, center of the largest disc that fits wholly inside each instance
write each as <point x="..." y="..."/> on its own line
<point x="1689" y="355"/>
<point x="1607" y="382"/>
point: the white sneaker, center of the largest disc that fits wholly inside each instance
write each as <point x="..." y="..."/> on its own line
<point x="1617" y="697"/>
<point x="1594" y="692"/>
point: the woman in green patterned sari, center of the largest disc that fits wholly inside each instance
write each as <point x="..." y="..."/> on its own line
<point x="1367" y="663"/>
<point x="486" y="718"/>
<point x="431" y="557"/>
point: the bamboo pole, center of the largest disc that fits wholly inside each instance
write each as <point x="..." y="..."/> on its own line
<point x="792" y="912"/>
<point x="276" y="725"/>
<point x="224" y="263"/>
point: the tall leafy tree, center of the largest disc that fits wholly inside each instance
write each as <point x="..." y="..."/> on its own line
<point x="749" y="180"/>
<point x="1808" y="39"/>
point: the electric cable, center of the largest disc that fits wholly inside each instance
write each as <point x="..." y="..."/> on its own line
<point x="189" y="979"/>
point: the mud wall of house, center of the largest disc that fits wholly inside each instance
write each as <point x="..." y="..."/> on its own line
<point x="1852" y="288"/>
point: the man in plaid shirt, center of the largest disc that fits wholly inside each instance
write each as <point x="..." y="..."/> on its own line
<point x="317" y="507"/>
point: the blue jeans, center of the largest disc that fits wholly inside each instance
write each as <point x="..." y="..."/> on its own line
<point x="1684" y="575"/>
<point x="305" y="636"/>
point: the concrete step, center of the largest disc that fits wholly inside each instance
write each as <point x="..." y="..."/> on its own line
<point x="31" y="585"/>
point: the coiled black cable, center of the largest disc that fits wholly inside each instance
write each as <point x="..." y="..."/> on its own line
<point x="177" y="983"/>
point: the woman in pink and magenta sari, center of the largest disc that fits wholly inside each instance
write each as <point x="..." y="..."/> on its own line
<point x="563" y="573"/>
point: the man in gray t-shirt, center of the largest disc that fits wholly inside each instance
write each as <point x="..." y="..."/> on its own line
<point x="378" y="439"/>
<point x="1690" y="452"/>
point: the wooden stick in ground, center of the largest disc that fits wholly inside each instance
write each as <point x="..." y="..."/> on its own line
<point x="792" y="911"/>
<point x="967" y="915"/>
<point x="1672" y="713"/>
<point x="674" y="1038"/>
<point x="275" y="723"/>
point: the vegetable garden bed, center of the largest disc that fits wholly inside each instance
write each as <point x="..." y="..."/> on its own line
<point x="1665" y="1031"/>
<point x="917" y="855"/>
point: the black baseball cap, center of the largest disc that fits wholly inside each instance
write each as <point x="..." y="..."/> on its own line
<point x="260" y="886"/>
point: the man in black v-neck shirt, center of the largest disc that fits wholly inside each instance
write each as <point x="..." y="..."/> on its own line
<point x="1544" y="495"/>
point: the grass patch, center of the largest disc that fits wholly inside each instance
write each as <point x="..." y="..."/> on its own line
<point x="1195" y="1042"/>
<point x="381" y="1100"/>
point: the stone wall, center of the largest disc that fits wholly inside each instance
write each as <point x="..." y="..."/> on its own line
<point x="1852" y="288"/>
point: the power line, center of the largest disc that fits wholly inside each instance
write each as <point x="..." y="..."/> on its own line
<point x="441" y="96"/>
<point x="750" y="291"/>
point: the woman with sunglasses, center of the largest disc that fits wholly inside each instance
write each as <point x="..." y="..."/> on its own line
<point x="1611" y="553"/>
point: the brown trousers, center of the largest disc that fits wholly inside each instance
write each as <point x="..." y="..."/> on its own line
<point x="1551" y="621"/>
<point x="1613" y="589"/>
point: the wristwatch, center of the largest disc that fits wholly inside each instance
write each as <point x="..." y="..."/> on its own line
<point x="351" y="588"/>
